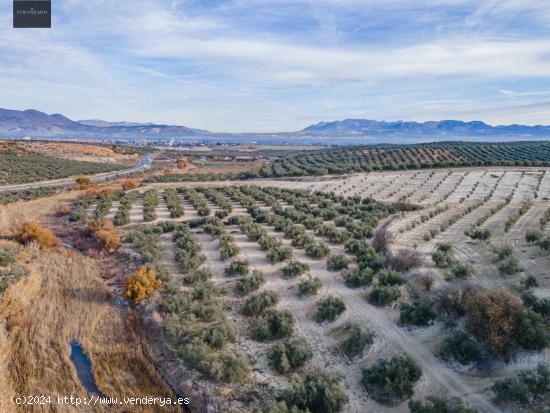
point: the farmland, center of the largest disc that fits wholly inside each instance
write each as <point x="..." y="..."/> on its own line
<point x="347" y="273"/>
<point x="19" y="164"/>
<point x="374" y="291"/>
<point x="432" y="155"/>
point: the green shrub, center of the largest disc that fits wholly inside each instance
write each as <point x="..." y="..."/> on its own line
<point x="228" y="368"/>
<point x="390" y="381"/>
<point x="209" y="311"/>
<point x="228" y="248"/>
<point x="358" y="277"/>
<point x="7" y="257"/>
<point x="205" y="291"/>
<point x="461" y="347"/>
<point x="440" y="405"/>
<point x="199" y="275"/>
<point x="150" y="203"/>
<point x="173" y="203"/>
<point x="316" y="250"/>
<point x="504" y="251"/>
<point x="317" y="392"/>
<point x="329" y="308"/>
<point x="337" y="262"/>
<point x="538" y="305"/>
<point x="419" y="313"/>
<point x="218" y="334"/>
<point x="388" y="277"/>
<point x="295" y="268"/>
<point x="356" y="342"/>
<point x="530" y="281"/>
<point x="527" y="387"/>
<point x="288" y="356"/>
<point x="533" y="236"/>
<point x="259" y="302"/>
<point x="461" y="271"/>
<point x="509" y="266"/>
<point x="383" y="295"/>
<point x="248" y="284"/>
<point x="544" y="244"/>
<point x="10" y="275"/>
<point x="237" y="267"/>
<point x="480" y="234"/>
<point x="531" y="332"/>
<point x="309" y="286"/>
<point x="444" y="256"/>
<point x="278" y="254"/>
<point x="272" y="324"/>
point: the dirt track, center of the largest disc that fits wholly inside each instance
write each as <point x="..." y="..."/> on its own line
<point x="458" y="189"/>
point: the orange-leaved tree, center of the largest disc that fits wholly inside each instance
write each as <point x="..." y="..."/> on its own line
<point x="130" y="184"/>
<point x="181" y="163"/>
<point x="141" y="285"/>
<point x="34" y="231"/>
<point x="83" y="182"/>
<point x="493" y="318"/>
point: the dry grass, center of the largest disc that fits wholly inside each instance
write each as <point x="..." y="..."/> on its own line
<point x="64" y="299"/>
<point x="78" y="151"/>
<point x="11" y="215"/>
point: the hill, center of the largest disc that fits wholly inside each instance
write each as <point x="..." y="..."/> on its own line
<point x="366" y="127"/>
<point x="36" y="124"/>
<point x="30" y="122"/>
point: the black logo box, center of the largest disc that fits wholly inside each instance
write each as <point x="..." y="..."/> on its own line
<point x="32" y="13"/>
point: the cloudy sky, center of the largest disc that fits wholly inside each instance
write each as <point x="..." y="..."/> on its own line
<point x="280" y="65"/>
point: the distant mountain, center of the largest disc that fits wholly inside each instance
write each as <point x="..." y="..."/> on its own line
<point x="104" y="124"/>
<point x="366" y="127"/>
<point x="14" y="121"/>
<point x="19" y="124"/>
<point x="30" y="122"/>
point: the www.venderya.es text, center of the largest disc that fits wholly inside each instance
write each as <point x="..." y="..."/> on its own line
<point x="96" y="400"/>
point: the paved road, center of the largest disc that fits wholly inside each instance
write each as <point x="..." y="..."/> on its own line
<point x="143" y="163"/>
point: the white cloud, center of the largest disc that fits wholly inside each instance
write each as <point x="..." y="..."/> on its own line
<point x="216" y="67"/>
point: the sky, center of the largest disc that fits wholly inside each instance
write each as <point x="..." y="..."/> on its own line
<point x="281" y="65"/>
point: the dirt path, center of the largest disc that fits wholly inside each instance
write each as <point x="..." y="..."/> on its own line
<point x="436" y="372"/>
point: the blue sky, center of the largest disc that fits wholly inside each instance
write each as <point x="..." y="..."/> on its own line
<point x="280" y="65"/>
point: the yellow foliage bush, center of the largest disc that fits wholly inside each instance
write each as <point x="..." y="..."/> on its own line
<point x="130" y="184"/>
<point x="141" y="285"/>
<point x="108" y="238"/>
<point x="105" y="233"/>
<point x="62" y="210"/>
<point x="83" y="182"/>
<point x="180" y="163"/>
<point x="34" y="231"/>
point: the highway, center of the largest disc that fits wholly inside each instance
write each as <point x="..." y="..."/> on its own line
<point x="143" y="163"/>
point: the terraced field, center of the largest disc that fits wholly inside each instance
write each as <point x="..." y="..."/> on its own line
<point x="251" y="270"/>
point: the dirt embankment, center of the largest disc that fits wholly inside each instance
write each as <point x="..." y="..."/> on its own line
<point x="64" y="299"/>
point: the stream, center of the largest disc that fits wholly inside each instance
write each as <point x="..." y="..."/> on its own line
<point x="83" y="368"/>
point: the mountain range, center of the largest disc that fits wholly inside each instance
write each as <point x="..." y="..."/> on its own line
<point x="36" y="124"/>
